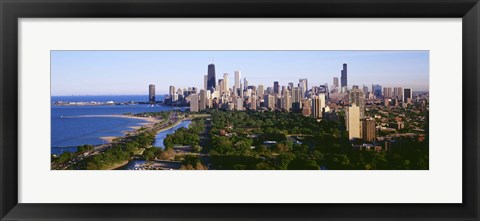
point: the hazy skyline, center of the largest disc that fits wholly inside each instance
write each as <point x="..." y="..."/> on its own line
<point x="130" y="72"/>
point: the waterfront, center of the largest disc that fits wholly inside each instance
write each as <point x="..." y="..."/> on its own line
<point x="163" y="134"/>
<point x="68" y="131"/>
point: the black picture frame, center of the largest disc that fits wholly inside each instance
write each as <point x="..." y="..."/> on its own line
<point x="12" y="10"/>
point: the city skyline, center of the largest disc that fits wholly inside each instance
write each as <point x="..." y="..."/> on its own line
<point x="110" y="72"/>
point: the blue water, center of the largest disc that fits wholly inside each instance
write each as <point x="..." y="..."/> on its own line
<point x="132" y="164"/>
<point x="67" y="133"/>
<point x="162" y="135"/>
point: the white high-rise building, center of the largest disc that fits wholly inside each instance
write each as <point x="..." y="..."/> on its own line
<point x="240" y="104"/>
<point x="260" y="91"/>
<point x="353" y="119"/>
<point x="302" y="83"/>
<point x="318" y="103"/>
<point x="237" y="79"/>
<point x="225" y="82"/>
<point x="205" y="82"/>
<point x="194" y="103"/>
<point x="203" y="100"/>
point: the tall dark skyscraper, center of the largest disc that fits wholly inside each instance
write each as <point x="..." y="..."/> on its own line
<point x="377" y="90"/>
<point x="407" y="93"/>
<point x="211" y="78"/>
<point x="151" y="94"/>
<point x="344" y="76"/>
<point x="276" y="87"/>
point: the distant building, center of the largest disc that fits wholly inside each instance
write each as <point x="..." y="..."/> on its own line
<point x="307" y="107"/>
<point x="205" y="82"/>
<point x="221" y="86"/>
<point x="335" y="82"/>
<point x="306" y="82"/>
<point x="151" y="94"/>
<point x="296" y="98"/>
<point x="353" y="122"/>
<point x="356" y="97"/>
<point x="173" y="94"/>
<point x="368" y="130"/>
<point x="260" y="91"/>
<point x="240" y="104"/>
<point x="302" y="84"/>
<point x="318" y="104"/>
<point x="407" y="93"/>
<point x="211" y="78"/>
<point x="276" y="87"/>
<point x="269" y="101"/>
<point x="225" y="83"/>
<point x="343" y="76"/>
<point x="237" y="79"/>
<point x="253" y="104"/>
<point x="365" y="90"/>
<point x="194" y="103"/>
<point x="398" y="93"/>
<point x="203" y="100"/>
<point x="387" y="92"/>
<point x="377" y="90"/>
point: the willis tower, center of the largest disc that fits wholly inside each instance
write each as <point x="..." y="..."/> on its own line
<point x="211" y="78"/>
<point x="343" y="77"/>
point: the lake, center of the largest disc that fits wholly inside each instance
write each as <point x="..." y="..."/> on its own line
<point x="68" y="133"/>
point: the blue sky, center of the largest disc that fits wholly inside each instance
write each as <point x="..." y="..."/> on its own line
<point x="130" y="72"/>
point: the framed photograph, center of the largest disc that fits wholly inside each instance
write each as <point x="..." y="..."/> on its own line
<point x="250" y="110"/>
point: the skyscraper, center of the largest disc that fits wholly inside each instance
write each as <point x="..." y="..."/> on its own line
<point x="211" y="77"/>
<point x="377" y="90"/>
<point x="172" y="93"/>
<point x="365" y="90"/>
<point x="194" y="103"/>
<point x="356" y="97"/>
<point x="306" y="82"/>
<point x="387" y="92"/>
<point x="306" y="107"/>
<point x="240" y="104"/>
<point x="269" y="101"/>
<point x="296" y="98"/>
<point x="335" y="82"/>
<point x="253" y="104"/>
<point x="353" y="122"/>
<point x="318" y="103"/>
<point x="220" y="87"/>
<point x="302" y="83"/>
<point x="202" y="100"/>
<point x="205" y="82"/>
<point x="245" y="84"/>
<point x="290" y="86"/>
<point x="237" y="79"/>
<point x="225" y="82"/>
<point x="368" y="130"/>
<point x="151" y="94"/>
<point x="276" y="87"/>
<point x="344" y="76"/>
<point x="407" y="93"/>
<point x="260" y="91"/>
<point x="397" y="93"/>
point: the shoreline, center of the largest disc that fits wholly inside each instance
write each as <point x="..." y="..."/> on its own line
<point x="147" y="119"/>
<point x="172" y="126"/>
<point x="149" y="122"/>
